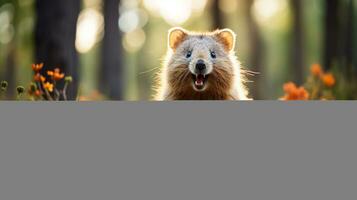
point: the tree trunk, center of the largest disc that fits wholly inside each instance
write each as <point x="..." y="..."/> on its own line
<point x="217" y="15"/>
<point x="348" y="50"/>
<point x="10" y="71"/>
<point x="339" y="36"/>
<point x="55" y="38"/>
<point x="111" y="72"/>
<point x="354" y="36"/>
<point x="298" y="57"/>
<point x="256" y="50"/>
<point x="331" y="33"/>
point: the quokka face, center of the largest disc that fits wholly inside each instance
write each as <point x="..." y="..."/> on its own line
<point x="200" y="66"/>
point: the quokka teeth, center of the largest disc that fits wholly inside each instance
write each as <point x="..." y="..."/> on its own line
<point x="204" y="75"/>
<point x="198" y="83"/>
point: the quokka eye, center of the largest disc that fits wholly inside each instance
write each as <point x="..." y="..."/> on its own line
<point x="213" y="54"/>
<point x="189" y="54"/>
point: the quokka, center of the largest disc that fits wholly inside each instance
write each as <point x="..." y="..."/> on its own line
<point x="201" y="66"/>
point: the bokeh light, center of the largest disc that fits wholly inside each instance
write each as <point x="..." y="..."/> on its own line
<point x="266" y="11"/>
<point x="89" y="29"/>
<point x="6" y="29"/>
<point x="132" y="19"/>
<point x="133" y="41"/>
<point x="129" y="21"/>
<point x="175" y="12"/>
<point x="198" y="5"/>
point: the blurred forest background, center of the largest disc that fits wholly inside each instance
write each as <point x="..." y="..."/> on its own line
<point x="113" y="48"/>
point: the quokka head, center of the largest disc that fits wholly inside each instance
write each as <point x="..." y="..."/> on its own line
<point x="201" y="62"/>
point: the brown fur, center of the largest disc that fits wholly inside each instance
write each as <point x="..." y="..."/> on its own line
<point x="224" y="81"/>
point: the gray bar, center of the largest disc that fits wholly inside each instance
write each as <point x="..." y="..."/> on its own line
<point x="178" y="151"/>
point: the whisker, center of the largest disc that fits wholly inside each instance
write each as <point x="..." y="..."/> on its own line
<point x="183" y="77"/>
<point x="249" y="72"/>
<point x="148" y="71"/>
<point x="186" y="74"/>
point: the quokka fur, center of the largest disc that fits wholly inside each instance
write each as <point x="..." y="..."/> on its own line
<point x="181" y="77"/>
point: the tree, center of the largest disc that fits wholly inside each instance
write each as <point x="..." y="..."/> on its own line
<point x="55" y="36"/>
<point x="331" y="32"/>
<point x="256" y="49"/>
<point x="11" y="54"/>
<point x="349" y="50"/>
<point x="354" y="33"/>
<point x="339" y="36"/>
<point x="10" y="66"/>
<point x="298" y="57"/>
<point x="217" y="15"/>
<point x="111" y="71"/>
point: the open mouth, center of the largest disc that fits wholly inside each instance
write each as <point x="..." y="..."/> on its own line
<point x="199" y="81"/>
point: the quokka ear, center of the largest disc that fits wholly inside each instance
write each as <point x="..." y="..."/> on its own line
<point x="226" y="37"/>
<point x="176" y="37"/>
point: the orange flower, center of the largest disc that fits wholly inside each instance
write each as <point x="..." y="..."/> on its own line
<point x="289" y="87"/>
<point x="56" y="74"/>
<point x="37" y="67"/>
<point x="39" y="78"/>
<point x="37" y="93"/>
<point x="48" y="86"/>
<point x="50" y="73"/>
<point x="329" y="80"/>
<point x="303" y="94"/>
<point x="316" y="70"/>
<point x="292" y="92"/>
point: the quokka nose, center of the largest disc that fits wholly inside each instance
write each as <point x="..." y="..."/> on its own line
<point x="200" y="65"/>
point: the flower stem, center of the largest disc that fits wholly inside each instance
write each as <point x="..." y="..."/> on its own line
<point x="48" y="95"/>
<point x="64" y="91"/>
